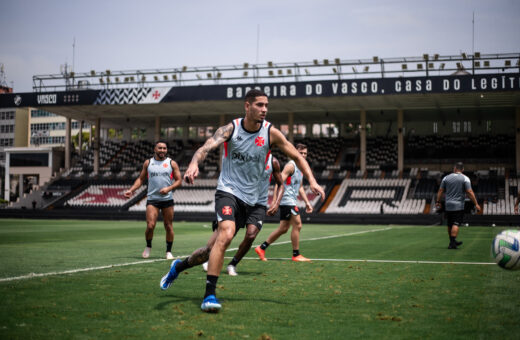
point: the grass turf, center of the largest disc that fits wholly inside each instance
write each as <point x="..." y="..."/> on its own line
<point x="334" y="297"/>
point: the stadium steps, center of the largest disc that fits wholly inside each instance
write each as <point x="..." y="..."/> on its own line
<point x="330" y="197"/>
<point x="134" y="200"/>
<point x="61" y="201"/>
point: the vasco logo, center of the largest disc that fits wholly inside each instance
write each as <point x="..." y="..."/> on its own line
<point x="17" y="100"/>
<point x="47" y="98"/>
<point x="259" y="141"/>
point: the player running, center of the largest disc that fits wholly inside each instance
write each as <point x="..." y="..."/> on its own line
<point x="289" y="213"/>
<point x="163" y="176"/>
<point x="247" y="142"/>
<point x="272" y="169"/>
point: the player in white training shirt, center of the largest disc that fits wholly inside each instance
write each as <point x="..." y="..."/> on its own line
<point x="246" y="143"/>
<point x="289" y="213"/>
<point x="163" y="177"/>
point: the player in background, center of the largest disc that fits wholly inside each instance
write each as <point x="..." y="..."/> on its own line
<point x="456" y="186"/>
<point x="247" y="142"/>
<point x="163" y="176"/>
<point x="289" y="214"/>
<point x="272" y="170"/>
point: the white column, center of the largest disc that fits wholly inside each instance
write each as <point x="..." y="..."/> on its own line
<point x="400" y="141"/>
<point x="222" y="122"/>
<point x="290" y="125"/>
<point x="80" y="138"/>
<point x="157" y="135"/>
<point x="20" y="186"/>
<point x="7" y="183"/>
<point x="185" y="132"/>
<point x="308" y="130"/>
<point x="67" y="143"/>
<point x="90" y="136"/>
<point x="127" y="134"/>
<point x="96" y="145"/>
<point x="363" y="141"/>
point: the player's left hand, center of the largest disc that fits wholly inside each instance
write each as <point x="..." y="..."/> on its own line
<point x="308" y="208"/>
<point x="164" y="191"/>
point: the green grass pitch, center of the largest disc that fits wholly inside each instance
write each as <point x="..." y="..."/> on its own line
<point x="72" y="279"/>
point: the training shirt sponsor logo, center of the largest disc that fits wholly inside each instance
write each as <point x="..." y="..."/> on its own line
<point x="226" y="210"/>
<point x="238" y="156"/>
<point x="155" y="174"/>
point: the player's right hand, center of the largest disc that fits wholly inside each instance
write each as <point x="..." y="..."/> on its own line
<point x="191" y="173"/>
<point x="318" y="190"/>
<point x="272" y="211"/>
<point x="128" y="194"/>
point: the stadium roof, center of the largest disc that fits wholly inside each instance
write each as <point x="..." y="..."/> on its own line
<point x="326" y="92"/>
<point x="203" y="105"/>
<point x="306" y="110"/>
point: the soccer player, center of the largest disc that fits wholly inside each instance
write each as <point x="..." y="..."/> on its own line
<point x="456" y="186"/>
<point x="289" y="214"/>
<point x="247" y="142"/>
<point x="272" y="169"/>
<point x="163" y="176"/>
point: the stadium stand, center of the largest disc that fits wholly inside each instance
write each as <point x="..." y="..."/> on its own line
<point x="379" y="190"/>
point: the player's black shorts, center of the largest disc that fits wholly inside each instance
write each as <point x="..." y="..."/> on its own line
<point x="160" y="204"/>
<point x="455" y="217"/>
<point x="287" y="211"/>
<point x="231" y="208"/>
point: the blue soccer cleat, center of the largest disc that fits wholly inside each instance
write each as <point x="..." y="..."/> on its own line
<point x="210" y="304"/>
<point x="167" y="279"/>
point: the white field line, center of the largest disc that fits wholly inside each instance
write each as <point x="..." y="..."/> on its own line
<point x="80" y="270"/>
<point x="378" y="261"/>
<point x="326" y="237"/>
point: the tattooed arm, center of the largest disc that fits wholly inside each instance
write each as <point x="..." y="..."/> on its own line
<point x="221" y="135"/>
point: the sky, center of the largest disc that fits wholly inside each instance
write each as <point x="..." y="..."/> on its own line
<point x="37" y="36"/>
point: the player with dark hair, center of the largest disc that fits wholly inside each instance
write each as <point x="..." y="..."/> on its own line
<point x="272" y="170"/>
<point x="456" y="186"/>
<point x="247" y="142"/>
<point x="289" y="214"/>
<point x="163" y="176"/>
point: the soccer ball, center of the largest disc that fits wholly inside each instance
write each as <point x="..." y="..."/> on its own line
<point x="506" y="249"/>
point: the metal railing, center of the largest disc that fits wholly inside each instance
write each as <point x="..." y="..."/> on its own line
<point x="326" y="69"/>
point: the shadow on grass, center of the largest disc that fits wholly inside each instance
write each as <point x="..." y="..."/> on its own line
<point x="196" y="301"/>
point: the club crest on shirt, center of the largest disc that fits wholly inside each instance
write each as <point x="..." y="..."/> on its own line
<point x="259" y="141"/>
<point x="226" y="210"/>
